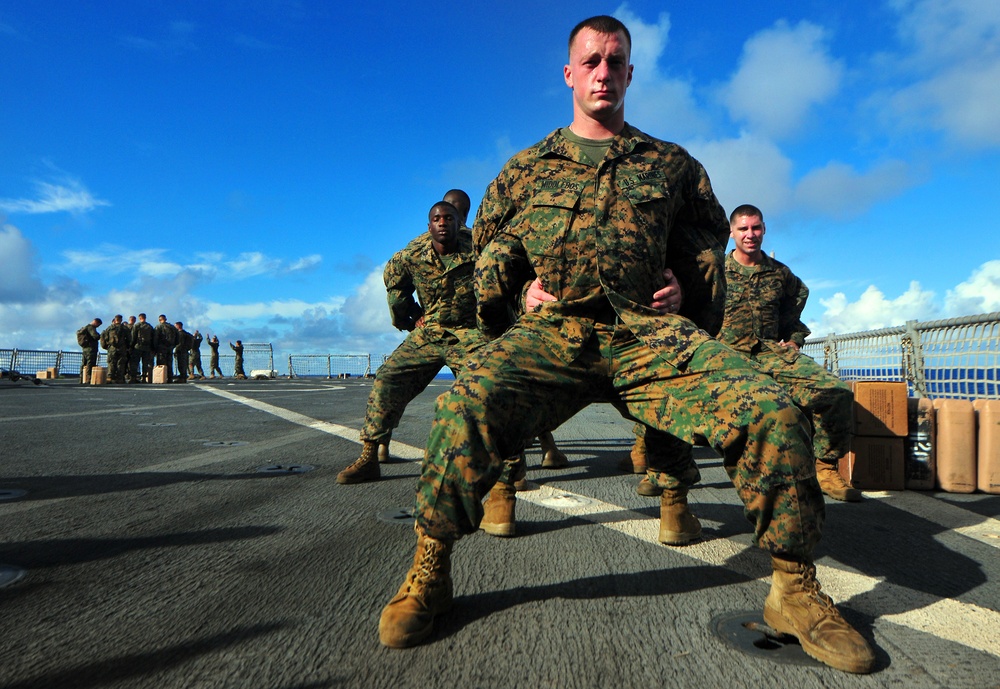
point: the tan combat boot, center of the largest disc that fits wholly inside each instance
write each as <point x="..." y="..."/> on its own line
<point x="635" y="463"/>
<point x="364" y="468"/>
<point x="648" y="489"/>
<point x="552" y="456"/>
<point x="677" y="525"/>
<point x="408" y="619"/>
<point x="498" y="511"/>
<point x="797" y="607"/>
<point x="383" y="452"/>
<point x="833" y="484"/>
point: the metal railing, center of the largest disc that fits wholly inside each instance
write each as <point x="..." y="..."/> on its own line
<point x="329" y="365"/>
<point x="955" y="358"/>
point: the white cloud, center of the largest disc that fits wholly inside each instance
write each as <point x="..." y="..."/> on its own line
<point x="153" y="262"/>
<point x="366" y="310"/>
<point x="979" y="294"/>
<point x="71" y="197"/>
<point x="253" y="263"/>
<point x="784" y="72"/>
<point x="747" y="170"/>
<point x="282" y="308"/>
<point x="664" y="107"/>
<point x="951" y="57"/>
<point x="874" y="310"/>
<point x="19" y="281"/>
<point x="839" y="191"/>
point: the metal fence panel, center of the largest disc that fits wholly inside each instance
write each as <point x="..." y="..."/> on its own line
<point x="329" y="365"/>
<point x="957" y="357"/>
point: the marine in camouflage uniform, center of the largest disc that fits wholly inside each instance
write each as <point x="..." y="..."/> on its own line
<point x="127" y="331"/>
<point x="195" y="362"/>
<point x="89" y="339"/>
<point x="599" y="233"/>
<point x="438" y="267"/>
<point x="238" y="371"/>
<point x="763" y="322"/>
<point x="113" y="341"/>
<point x="181" y="349"/>
<point x="164" y="339"/>
<point x="213" y="358"/>
<point x="143" y="336"/>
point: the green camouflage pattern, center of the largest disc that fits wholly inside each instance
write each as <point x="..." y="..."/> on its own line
<point x="420" y="282"/>
<point x="113" y="340"/>
<point x="181" y="349"/>
<point x="447" y="302"/>
<point x="764" y="305"/>
<point x="238" y="363"/>
<point x="213" y="358"/>
<point x="194" y="364"/>
<point x="581" y="230"/>
<point x="89" y="351"/>
<point x="599" y="240"/>
<point x="142" y="352"/>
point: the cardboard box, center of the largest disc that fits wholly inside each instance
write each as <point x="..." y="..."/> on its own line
<point x="43" y="375"/>
<point x="874" y="463"/>
<point x="160" y="374"/>
<point x="880" y="408"/>
<point x="920" y="459"/>
<point x="53" y="372"/>
<point x="98" y="375"/>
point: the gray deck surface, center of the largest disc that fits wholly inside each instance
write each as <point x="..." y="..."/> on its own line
<point x="148" y="549"/>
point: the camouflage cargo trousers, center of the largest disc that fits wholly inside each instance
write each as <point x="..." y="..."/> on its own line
<point x="523" y="383"/>
<point x="408" y="371"/>
<point x="826" y="400"/>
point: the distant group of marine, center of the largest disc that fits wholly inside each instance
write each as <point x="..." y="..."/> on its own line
<point x="135" y="349"/>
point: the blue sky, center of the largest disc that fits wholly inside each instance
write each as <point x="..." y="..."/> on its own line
<point x="248" y="167"/>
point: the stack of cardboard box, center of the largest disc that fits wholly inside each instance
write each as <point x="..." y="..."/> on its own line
<point x="875" y="461"/>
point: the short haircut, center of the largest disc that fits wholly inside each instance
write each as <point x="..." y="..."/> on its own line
<point x="745" y="209"/>
<point x="99" y="321"/>
<point x="443" y="203"/>
<point x="162" y="316"/>
<point x="601" y="24"/>
<point x="466" y="202"/>
<point x="118" y="317"/>
<point x="142" y="316"/>
<point x="179" y="324"/>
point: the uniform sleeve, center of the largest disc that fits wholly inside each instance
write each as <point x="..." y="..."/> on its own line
<point x="399" y="287"/>
<point x="495" y="211"/>
<point x="502" y="274"/>
<point x="697" y="253"/>
<point x="794" y="301"/>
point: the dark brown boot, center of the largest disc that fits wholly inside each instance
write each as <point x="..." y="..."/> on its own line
<point x="635" y="463"/>
<point x="408" y="619"/>
<point x="364" y="468"/>
<point x="552" y="456"/>
<point x="383" y="452"/>
<point x="498" y="511"/>
<point x="677" y="525"/>
<point x="796" y="606"/>
<point x="833" y="484"/>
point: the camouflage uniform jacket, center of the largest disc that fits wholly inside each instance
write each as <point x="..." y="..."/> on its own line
<point x="443" y="285"/>
<point x="113" y="337"/>
<point x="763" y="305"/>
<point x="599" y="240"/>
<point x="184" y="340"/>
<point x="142" y="336"/>
<point x="164" y="337"/>
<point x="196" y="341"/>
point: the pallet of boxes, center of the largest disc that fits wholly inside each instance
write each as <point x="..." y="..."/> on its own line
<point x="902" y="442"/>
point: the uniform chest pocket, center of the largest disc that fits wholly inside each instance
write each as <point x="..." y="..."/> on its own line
<point x="651" y="199"/>
<point x="546" y="219"/>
